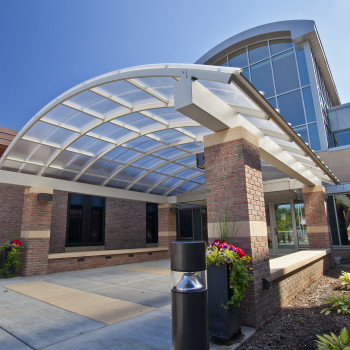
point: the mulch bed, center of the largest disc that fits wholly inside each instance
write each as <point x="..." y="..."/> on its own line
<point x="295" y="326"/>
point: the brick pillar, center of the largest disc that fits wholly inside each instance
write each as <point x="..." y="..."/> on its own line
<point x="316" y="218"/>
<point x="35" y="231"/>
<point x="235" y="189"/>
<point x="166" y="225"/>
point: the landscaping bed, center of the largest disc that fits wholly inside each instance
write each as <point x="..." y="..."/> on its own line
<point x="295" y="326"/>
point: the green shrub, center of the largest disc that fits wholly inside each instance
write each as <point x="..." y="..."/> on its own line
<point x="345" y="280"/>
<point x="338" y="303"/>
<point x="12" y="251"/>
<point x="333" y="342"/>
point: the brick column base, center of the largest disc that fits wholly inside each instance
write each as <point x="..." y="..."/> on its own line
<point x="35" y="232"/>
<point x="316" y="218"/>
<point x="35" y="256"/>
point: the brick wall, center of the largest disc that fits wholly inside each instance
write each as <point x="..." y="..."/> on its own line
<point x="234" y="182"/>
<point x="286" y="288"/>
<point x="36" y="214"/>
<point x="89" y="262"/>
<point x="58" y="222"/>
<point x="11" y="199"/>
<point x="125" y="225"/>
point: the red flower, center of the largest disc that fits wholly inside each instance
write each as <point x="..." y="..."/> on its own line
<point x="240" y="252"/>
<point x="17" y="242"/>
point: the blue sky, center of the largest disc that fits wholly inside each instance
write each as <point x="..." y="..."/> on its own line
<point x="48" y="46"/>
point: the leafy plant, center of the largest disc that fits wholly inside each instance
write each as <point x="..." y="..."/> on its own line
<point x="228" y="230"/>
<point x="333" y="342"/>
<point x="12" y="263"/>
<point x="238" y="264"/>
<point x="338" y="303"/>
<point x="345" y="280"/>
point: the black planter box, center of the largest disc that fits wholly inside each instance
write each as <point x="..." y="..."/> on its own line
<point x="223" y="324"/>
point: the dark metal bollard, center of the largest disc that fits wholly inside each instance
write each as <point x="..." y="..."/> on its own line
<point x="189" y="296"/>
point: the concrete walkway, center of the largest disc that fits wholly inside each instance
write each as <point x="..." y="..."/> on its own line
<point x="121" y="307"/>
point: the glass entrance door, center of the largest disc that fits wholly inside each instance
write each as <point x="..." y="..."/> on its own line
<point x="284" y="227"/>
<point x="192" y="224"/>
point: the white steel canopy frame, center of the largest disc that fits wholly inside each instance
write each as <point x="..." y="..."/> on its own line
<point x="139" y="129"/>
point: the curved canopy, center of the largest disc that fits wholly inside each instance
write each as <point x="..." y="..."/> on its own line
<point x="125" y="130"/>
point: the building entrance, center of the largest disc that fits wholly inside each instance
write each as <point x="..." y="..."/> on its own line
<point x="192" y="224"/>
<point x="286" y="227"/>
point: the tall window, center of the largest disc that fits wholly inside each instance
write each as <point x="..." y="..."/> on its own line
<point x="85" y="222"/>
<point x="151" y="223"/>
<point x="279" y="68"/>
<point x="339" y="218"/>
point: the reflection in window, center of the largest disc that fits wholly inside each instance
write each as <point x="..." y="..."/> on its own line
<point x="238" y="58"/>
<point x="304" y="76"/>
<point x="246" y="73"/>
<point x="268" y="225"/>
<point x="309" y="105"/>
<point x="303" y="132"/>
<point x="339" y="214"/>
<point x="185" y="225"/>
<point x="85" y="222"/>
<point x="291" y="108"/>
<point x="273" y="101"/>
<point x="151" y="223"/>
<point x="284" y="226"/>
<point x="332" y="220"/>
<point x="301" y="224"/>
<point x="314" y="137"/>
<point x="261" y="76"/>
<point x="258" y="52"/>
<point x="285" y="72"/>
<point x="343" y="138"/>
<point x="280" y="45"/>
<point x="192" y="224"/>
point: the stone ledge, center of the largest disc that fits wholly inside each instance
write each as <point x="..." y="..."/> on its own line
<point x="105" y="252"/>
<point x="283" y="265"/>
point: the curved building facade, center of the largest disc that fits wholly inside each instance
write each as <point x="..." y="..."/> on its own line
<point x="285" y="61"/>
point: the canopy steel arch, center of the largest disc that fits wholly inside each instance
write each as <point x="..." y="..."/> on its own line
<point x="107" y="118"/>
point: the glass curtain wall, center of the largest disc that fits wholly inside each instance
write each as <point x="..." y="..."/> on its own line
<point x="278" y="68"/>
<point x="339" y="218"/>
<point x="325" y="102"/>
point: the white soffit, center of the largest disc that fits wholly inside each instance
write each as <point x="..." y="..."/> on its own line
<point x="121" y="130"/>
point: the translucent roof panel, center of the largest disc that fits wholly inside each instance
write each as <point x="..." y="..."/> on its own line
<point x="111" y="133"/>
<point x="66" y="117"/>
<point x="170" y="136"/>
<point x="139" y="121"/>
<point x="144" y="144"/>
<point x="125" y="130"/>
<point x="169" y="115"/>
<point x="60" y="174"/>
<point x="128" y="93"/>
<point x="88" y="145"/>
